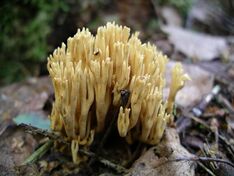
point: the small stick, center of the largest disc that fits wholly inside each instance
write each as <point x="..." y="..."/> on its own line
<point x="206" y="159"/>
<point x="46" y="133"/>
<point x="196" y="119"/>
<point x="189" y="115"/>
<point x="38" y="153"/>
<point x="196" y="158"/>
<point x="123" y="102"/>
<point x="206" y="169"/>
<point x="134" y="155"/>
<point x="221" y="137"/>
<point x="221" y="99"/>
<point x="109" y="130"/>
<point x="198" y="111"/>
<point x="106" y="162"/>
<point x="124" y="98"/>
<point x="106" y="135"/>
<point x="230" y="146"/>
<point x="114" y="166"/>
<point x="54" y="137"/>
<point x="229" y="85"/>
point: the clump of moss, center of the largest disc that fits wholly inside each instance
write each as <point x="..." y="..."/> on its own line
<point x="25" y="26"/>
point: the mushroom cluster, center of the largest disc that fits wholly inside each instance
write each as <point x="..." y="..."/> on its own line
<point x="89" y="76"/>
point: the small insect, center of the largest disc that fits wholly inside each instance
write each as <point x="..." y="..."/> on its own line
<point x="124" y="97"/>
<point x="96" y="52"/>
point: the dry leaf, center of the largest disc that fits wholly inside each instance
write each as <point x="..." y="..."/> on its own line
<point x="153" y="162"/>
<point x="196" y="45"/>
<point x="23" y="97"/>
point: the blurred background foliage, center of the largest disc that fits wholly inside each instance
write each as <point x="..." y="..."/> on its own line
<point x="31" y="29"/>
<point x="26" y="36"/>
<point x="182" y="6"/>
<point x="25" y="26"/>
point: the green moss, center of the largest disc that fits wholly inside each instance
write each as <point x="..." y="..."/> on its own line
<point x="25" y="26"/>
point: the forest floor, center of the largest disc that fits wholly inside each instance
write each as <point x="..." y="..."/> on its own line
<point x="201" y="141"/>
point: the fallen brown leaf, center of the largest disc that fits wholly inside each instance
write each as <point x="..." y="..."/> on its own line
<point x="154" y="161"/>
<point x="196" y="45"/>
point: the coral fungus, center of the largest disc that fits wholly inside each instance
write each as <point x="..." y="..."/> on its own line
<point x="89" y="75"/>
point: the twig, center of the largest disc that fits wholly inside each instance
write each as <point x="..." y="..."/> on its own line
<point x="221" y="99"/>
<point x="197" y="111"/>
<point x="221" y="137"/>
<point x="114" y="166"/>
<point x="55" y="137"/>
<point x="196" y="158"/>
<point x="135" y="155"/>
<point x="124" y="98"/>
<point x="108" y="131"/>
<point x="206" y="169"/>
<point x="229" y="85"/>
<point x="196" y="119"/>
<point x="46" y="133"/>
<point x="106" y="162"/>
<point x="123" y="102"/>
<point x="38" y="153"/>
<point x="209" y="151"/>
<point x="103" y="141"/>
<point x="230" y="148"/>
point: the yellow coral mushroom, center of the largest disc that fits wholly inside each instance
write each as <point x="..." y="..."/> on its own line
<point x="88" y="76"/>
<point x="177" y="82"/>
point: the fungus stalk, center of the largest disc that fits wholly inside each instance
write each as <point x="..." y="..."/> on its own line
<point x="177" y="82"/>
<point x="89" y="75"/>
